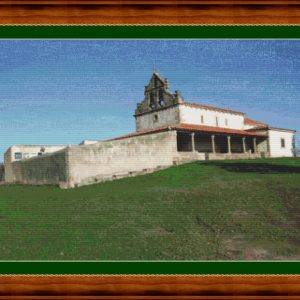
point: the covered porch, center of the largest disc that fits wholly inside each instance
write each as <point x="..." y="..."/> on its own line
<point x="206" y="145"/>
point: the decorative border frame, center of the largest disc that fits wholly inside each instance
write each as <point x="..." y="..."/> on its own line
<point x="133" y="13"/>
<point x="171" y="12"/>
<point x="175" y="287"/>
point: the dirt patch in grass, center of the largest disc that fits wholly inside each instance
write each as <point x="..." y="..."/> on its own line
<point x="233" y="246"/>
<point x="238" y="248"/>
<point x="256" y="253"/>
<point x="291" y="198"/>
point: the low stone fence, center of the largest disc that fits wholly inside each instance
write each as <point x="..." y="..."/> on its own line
<point x="185" y="157"/>
<point x="223" y="156"/>
<point x="45" y="169"/>
<point x="114" y="159"/>
<point x="108" y="160"/>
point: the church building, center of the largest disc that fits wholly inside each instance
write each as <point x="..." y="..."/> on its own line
<point x="217" y="132"/>
<point x="169" y="131"/>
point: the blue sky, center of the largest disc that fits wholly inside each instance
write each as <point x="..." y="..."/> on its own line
<point x="61" y="92"/>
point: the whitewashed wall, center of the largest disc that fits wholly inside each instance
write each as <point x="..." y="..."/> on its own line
<point x="247" y="126"/>
<point x="275" y="143"/>
<point x="192" y="115"/>
<point x="29" y="151"/>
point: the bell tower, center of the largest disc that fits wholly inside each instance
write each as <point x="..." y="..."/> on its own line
<point x="157" y="95"/>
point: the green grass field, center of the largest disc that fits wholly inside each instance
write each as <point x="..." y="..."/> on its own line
<point x="215" y="210"/>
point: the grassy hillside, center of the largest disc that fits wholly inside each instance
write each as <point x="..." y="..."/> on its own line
<point x="198" y="211"/>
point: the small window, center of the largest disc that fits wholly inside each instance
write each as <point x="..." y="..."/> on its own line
<point x="282" y="143"/>
<point x="202" y="119"/>
<point x="217" y="121"/>
<point x="18" y="155"/>
<point x="155" y="118"/>
<point x="226" y="122"/>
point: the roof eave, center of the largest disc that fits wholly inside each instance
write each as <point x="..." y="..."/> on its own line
<point x="283" y="129"/>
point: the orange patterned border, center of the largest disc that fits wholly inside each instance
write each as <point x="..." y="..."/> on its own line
<point x="138" y="12"/>
<point x="150" y="287"/>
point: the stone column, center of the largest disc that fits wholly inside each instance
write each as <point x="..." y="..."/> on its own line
<point x="193" y="141"/>
<point x="229" y="144"/>
<point x="213" y="144"/>
<point x="254" y="145"/>
<point x="244" y="144"/>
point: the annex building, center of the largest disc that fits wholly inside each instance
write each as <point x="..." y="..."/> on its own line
<point x="169" y="131"/>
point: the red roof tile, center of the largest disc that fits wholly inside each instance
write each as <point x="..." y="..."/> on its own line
<point x="142" y="132"/>
<point x="201" y="128"/>
<point x="258" y="127"/>
<point x="253" y="122"/>
<point x="267" y="127"/>
<point x="282" y="129"/>
<point x="190" y="104"/>
<point x="212" y="108"/>
<point x="189" y="127"/>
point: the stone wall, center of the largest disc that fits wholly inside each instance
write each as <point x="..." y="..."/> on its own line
<point x="222" y="156"/>
<point x="167" y="116"/>
<point x="120" y="158"/>
<point x="8" y="171"/>
<point x="86" y="164"/>
<point x="1" y="172"/>
<point x="186" y="157"/>
<point x="46" y="169"/>
<point x="25" y="152"/>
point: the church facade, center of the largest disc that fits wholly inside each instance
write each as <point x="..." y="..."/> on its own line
<point x="169" y="131"/>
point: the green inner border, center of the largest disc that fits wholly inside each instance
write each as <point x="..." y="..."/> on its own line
<point x="146" y="268"/>
<point x="149" y="32"/>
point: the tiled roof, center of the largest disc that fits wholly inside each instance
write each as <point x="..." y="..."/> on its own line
<point x="202" y="128"/>
<point x="253" y="122"/>
<point x="267" y="127"/>
<point x="212" y="108"/>
<point x="189" y="127"/>
<point x="142" y="132"/>
<point x="282" y="129"/>
<point x="196" y="105"/>
<point x="258" y="127"/>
